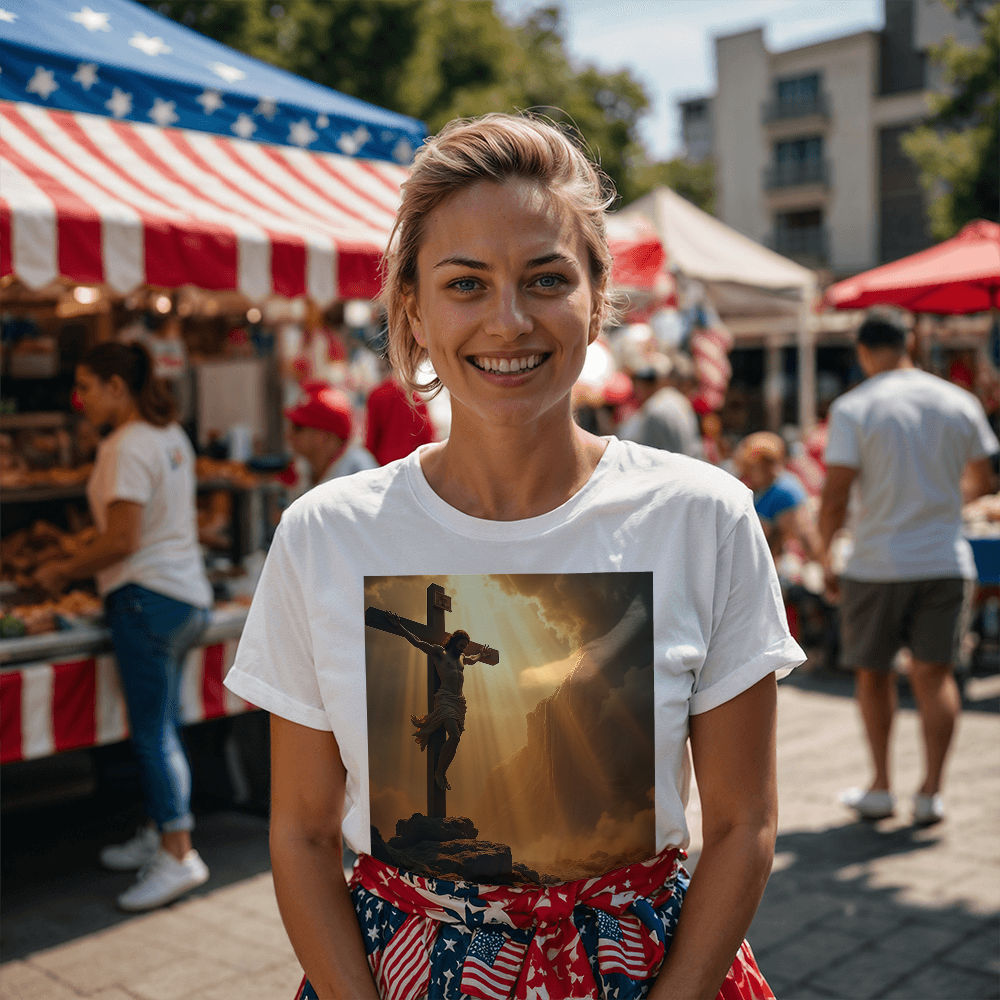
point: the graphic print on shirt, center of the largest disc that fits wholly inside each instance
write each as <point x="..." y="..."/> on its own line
<point x="510" y="724"/>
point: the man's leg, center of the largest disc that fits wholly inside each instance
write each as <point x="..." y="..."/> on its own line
<point x="875" y="691"/>
<point x="939" y="703"/>
<point x="448" y="751"/>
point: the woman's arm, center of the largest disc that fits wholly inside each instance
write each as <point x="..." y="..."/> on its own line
<point x="119" y="541"/>
<point x="308" y="781"/>
<point x="733" y="747"/>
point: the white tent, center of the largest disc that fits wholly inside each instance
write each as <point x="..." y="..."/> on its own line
<point x="743" y="279"/>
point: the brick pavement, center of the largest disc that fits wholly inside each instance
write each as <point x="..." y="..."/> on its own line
<point x="852" y="910"/>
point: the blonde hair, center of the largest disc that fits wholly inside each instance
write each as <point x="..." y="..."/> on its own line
<point x="495" y="148"/>
<point x="763" y="446"/>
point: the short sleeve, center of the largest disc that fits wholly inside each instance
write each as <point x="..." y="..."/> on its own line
<point x="750" y="637"/>
<point x="842" y="447"/>
<point x="275" y="668"/>
<point x="133" y="480"/>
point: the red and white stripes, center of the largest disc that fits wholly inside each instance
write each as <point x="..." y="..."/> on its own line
<point x="46" y="708"/>
<point x="95" y="200"/>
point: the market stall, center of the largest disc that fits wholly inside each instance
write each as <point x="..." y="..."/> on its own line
<point x="757" y="293"/>
<point x="276" y="196"/>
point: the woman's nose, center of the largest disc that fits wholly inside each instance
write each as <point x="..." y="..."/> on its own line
<point x="510" y="319"/>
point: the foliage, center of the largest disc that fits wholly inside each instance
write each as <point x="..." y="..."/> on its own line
<point x="440" y="59"/>
<point x="694" y="181"/>
<point x="958" y="149"/>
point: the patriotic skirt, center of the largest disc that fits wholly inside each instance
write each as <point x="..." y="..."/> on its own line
<point x="603" y="937"/>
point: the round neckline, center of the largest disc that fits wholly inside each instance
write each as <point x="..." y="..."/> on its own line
<point x="529" y="527"/>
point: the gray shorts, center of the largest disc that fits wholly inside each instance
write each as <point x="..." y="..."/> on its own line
<point x="878" y="618"/>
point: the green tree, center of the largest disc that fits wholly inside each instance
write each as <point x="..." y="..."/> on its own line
<point x="694" y="181"/>
<point x="439" y="59"/>
<point x="958" y="148"/>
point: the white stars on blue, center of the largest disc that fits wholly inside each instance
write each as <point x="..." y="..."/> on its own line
<point x="86" y="75"/>
<point x="42" y="83"/>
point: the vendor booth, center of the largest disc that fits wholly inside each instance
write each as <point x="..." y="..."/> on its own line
<point x="761" y="297"/>
<point x="149" y="174"/>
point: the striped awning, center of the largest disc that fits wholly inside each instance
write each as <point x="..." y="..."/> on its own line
<point x="98" y="201"/>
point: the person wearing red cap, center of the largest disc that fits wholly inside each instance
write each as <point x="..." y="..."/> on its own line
<point x="321" y="434"/>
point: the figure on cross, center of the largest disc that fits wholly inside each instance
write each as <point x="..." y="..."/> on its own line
<point x="448" y="711"/>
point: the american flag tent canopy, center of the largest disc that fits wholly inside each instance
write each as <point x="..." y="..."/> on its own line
<point x="134" y="150"/>
<point x="97" y="200"/>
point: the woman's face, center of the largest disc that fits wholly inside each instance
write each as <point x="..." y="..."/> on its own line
<point x="100" y="400"/>
<point x="504" y="302"/>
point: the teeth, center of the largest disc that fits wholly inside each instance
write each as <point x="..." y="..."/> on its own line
<point x="508" y="365"/>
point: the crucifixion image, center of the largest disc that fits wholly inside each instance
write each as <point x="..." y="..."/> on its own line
<point x="440" y="730"/>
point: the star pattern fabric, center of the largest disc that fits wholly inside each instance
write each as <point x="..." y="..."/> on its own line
<point x="604" y="937"/>
<point x="126" y="61"/>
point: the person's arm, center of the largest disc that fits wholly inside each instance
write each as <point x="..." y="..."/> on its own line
<point x="424" y="647"/>
<point x="796" y="522"/>
<point x="308" y="782"/>
<point x="733" y="749"/>
<point x="475" y="657"/>
<point x="978" y="479"/>
<point x="120" y="540"/>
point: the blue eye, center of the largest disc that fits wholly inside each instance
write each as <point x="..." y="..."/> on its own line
<point x="465" y="284"/>
<point x="550" y="281"/>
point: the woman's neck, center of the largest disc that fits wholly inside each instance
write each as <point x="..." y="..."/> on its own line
<point x="125" y="414"/>
<point x="511" y="473"/>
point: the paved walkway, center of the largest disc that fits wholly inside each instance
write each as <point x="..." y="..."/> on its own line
<point x="852" y="910"/>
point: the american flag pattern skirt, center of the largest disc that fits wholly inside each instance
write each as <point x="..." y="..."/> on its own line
<point x="603" y="937"/>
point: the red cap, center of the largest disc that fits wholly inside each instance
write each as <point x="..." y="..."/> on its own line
<point x="326" y="410"/>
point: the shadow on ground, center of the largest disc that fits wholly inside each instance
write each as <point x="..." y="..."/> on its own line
<point x="825" y="929"/>
<point x="60" y="811"/>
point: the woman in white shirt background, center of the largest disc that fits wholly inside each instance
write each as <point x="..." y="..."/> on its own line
<point x="150" y="573"/>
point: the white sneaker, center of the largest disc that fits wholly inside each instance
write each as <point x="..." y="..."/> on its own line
<point x="134" y="853"/>
<point x="164" y="879"/>
<point x="927" y="809"/>
<point x="869" y="804"/>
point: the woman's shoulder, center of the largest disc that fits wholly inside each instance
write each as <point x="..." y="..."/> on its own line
<point x="360" y="497"/>
<point x="669" y="476"/>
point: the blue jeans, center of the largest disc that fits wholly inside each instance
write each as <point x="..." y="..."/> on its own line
<point x="151" y="633"/>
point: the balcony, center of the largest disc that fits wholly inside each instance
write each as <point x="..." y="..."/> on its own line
<point x="780" y="111"/>
<point x="792" y="173"/>
<point x="807" y="244"/>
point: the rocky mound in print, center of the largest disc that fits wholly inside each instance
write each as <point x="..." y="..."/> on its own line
<point x="449" y="848"/>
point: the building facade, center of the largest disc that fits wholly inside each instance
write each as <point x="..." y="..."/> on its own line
<point x="806" y="142"/>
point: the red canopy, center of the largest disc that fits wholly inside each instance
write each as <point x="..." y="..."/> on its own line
<point x="961" y="275"/>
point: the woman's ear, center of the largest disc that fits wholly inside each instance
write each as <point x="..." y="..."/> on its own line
<point x="118" y="386"/>
<point x="413" y="318"/>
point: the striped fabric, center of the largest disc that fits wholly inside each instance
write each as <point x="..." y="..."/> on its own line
<point x="46" y="708"/>
<point x="603" y="938"/>
<point x="94" y="200"/>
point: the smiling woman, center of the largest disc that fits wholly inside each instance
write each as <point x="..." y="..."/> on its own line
<point x="611" y="601"/>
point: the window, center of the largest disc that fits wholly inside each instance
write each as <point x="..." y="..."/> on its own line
<point x="799" y="150"/>
<point x="799" y="90"/>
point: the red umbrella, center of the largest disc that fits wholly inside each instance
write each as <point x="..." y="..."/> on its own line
<point x="961" y="275"/>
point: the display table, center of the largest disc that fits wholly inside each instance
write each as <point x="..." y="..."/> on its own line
<point x="60" y="691"/>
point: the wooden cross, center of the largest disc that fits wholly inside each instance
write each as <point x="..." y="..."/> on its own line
<point x="438" y="602"/>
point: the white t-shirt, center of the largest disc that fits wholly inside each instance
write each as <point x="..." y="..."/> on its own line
<point x="648" y="596"/>
<point x="910" y="435"/>
<point x="152" y="466"/>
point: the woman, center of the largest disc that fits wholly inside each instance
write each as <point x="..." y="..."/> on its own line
<point x="498" y="272"/>
<point x="150" y="573"/>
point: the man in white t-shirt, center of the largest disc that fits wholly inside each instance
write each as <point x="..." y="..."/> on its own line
<point x="905" y="437"/>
